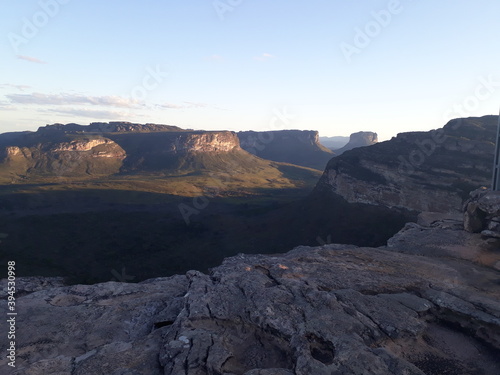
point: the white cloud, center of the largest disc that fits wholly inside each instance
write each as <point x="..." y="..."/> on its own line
<point x="91" y="113"/>
<point x="17" y="87"/>
<point x="30" y="59"/>
<point x="65" y="99"/>
<point x="183" y="106"/>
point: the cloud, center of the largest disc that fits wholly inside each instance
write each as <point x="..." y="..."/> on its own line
<point x="72" y="99"/>
<point x="196" y="105"/>
<point x="18" y="87"/>
<point x="4" y="106"/>
<point x="31" y="59"/>
<point x="81" y="112"/>
<point x="171" y="106"/>
<point x="263" y="57"/>
<point x="183" y="106"/>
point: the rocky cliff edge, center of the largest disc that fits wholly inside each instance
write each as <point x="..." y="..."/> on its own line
<point x="427" y="303"/>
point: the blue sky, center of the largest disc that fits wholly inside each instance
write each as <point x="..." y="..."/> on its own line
<point x="337" y="66"/>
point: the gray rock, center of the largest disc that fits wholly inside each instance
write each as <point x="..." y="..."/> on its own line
<point x="425" y="304"/>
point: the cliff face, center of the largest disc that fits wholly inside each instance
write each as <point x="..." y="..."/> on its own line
<point x="108" y="148"/>
<point x="359" y="139"/>
<point x="178" y="150"/>
<point x="424" y="171"/>
<point x="428" y="303"/>
<point x="73" y="156"/>
<point x="223" y="141"/>
<point x="300" y="147"/>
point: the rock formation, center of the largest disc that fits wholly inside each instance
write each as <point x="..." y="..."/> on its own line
<point x="359" y="139"/>
<point x="62" y="156"/>
<point x="426" y="304"/>
<point x="108" y="127"/>
<point x="482" y="214"/>
<point x="421" y="171"/>
<point x="73" y="150"/>
<point x="300" y="147"/>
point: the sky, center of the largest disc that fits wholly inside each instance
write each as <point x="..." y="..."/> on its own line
<point x="336" y="66"/>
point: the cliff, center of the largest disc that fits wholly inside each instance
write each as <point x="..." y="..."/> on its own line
<point x="300" y="147"/>
<point x="98" y="149"/>
<point x="421" y="171"/>
<point x="359" y="139"/>
<point x="426" y="304"/>
<point x="67" y="156"/>
<point x="108" y="127"/>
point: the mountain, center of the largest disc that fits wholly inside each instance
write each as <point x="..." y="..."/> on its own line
<point x="418" y="171"/>
<point x="105" y="150"/>
<point x="334" y="143"/>
<point x="299" y="147"/>
<point x="214" y="204"/>
<point x="359" y="139"/>
<point x="425" y="304"/>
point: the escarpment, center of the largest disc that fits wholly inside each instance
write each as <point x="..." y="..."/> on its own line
<point x="98" y="149"/>
<point x="420" y="171"/>
<point x="300" y="147"/>
<point x="359" y="139"/>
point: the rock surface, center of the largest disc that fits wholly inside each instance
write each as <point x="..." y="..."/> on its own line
<point x="359" y="139"/>
<point x="105" y="149"/>
<point x="421" y="171"/>
<point x="300" y="147"/>
<point x="482" y="214"/>
<point x="428" y="303"/>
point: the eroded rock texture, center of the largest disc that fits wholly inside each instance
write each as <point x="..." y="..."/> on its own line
<point x="419" y="171"/>
<point x="428" y="303"/>
<point x="482" y="214"/>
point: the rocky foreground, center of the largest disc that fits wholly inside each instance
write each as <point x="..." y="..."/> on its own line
<point x="427" y="303"/>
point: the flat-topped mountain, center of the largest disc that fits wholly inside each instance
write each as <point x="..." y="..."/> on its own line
<point x="108" y="127"/>
<point x="421" y="171"/>
<point x="359" y="139"/>
<point x="300" y="147"/>
<point x="105" y="149"/>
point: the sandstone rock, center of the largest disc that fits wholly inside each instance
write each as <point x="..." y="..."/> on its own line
<point x="332" y="309"/>
<point x="420" y="171"/>
<point x="300" y="147"/>
<point x="359" y="139"/>
<point x="482" y="212"/>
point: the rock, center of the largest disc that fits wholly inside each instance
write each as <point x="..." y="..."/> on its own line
<point x="333" y="309"/>
<point x="420" y="171"/>
<point x="359" y="139"/>
<point x="27" y="285"/>
<point x="300" y="147"/>
<point x="105" y="328"/>
<point x="482" y="213"/>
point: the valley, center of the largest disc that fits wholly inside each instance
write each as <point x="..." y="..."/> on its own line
<point x="83" y="202"/>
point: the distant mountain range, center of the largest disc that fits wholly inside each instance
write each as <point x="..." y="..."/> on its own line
<point x="102" y="150"/>
<point x="341" y="144"/>
<point x="334" y="143"/>
<point x="300" y="147"/>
